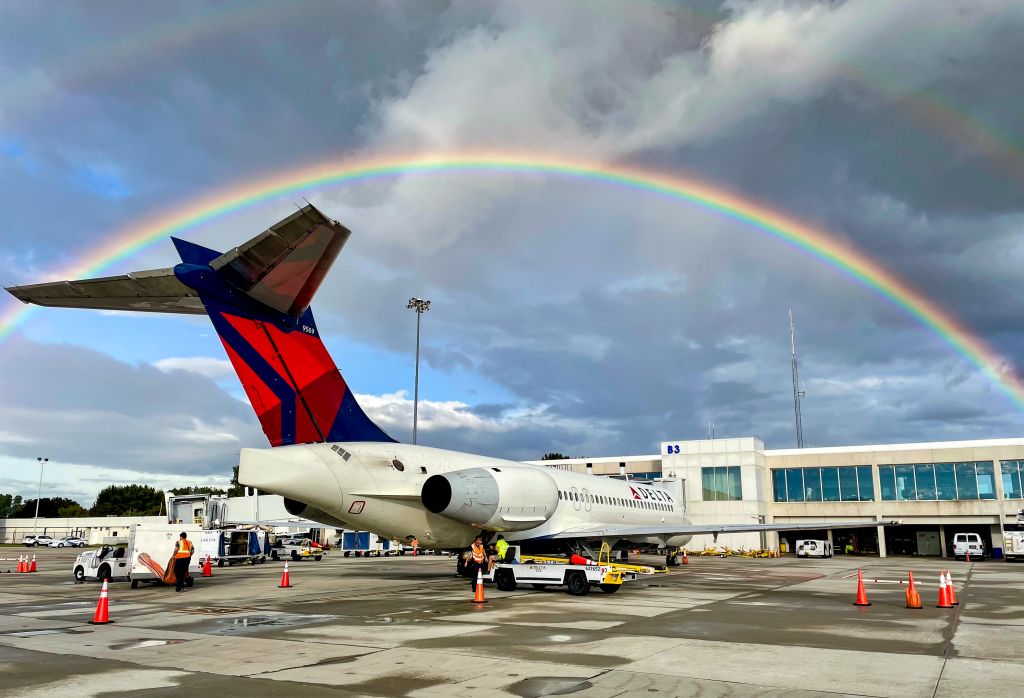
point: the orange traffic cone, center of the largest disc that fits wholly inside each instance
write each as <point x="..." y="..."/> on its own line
<point x="286" y="581"/>
<point x="686" y="558"/>
<point x="967" y="557"/>
<point x="950" y="590"/>
<point x="943" y="593"/>
<point x="913" y="598"/>
<point x="32" y="567"/>
<point x="102" y="615"/>
<point x="207" y="568"/>
<point x="862" y="596"/>
<point x="19" y="569"/>
<point x="478" y="596"/>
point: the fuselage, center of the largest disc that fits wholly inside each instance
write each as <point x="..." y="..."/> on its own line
<point x="379" y="487"/>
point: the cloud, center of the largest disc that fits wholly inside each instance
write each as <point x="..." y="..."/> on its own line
<point x="202" y="365"/>
<point x="85" y="407"/>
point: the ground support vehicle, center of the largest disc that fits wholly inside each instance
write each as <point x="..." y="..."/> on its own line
<point x="1013" y="539"/>
<point x="145" y="557"/>
<point x="965" y="544"/>
<point x="302" y="550"/>
<point x="109" y="563"/>
<point x="235" y="546"/>
<point x="1013" y="544"/>
<point x="577" y="574"/>
<point x="366" y="544"/>
<point x="813" y="548"/>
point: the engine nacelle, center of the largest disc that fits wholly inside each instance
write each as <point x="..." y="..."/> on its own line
<point x="498" y="499"/>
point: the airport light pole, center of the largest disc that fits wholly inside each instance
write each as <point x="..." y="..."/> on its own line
<point x="420" y="306"/>
<point x="39" y="494"/>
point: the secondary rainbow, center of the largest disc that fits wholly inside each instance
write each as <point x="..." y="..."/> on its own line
<point x="800" y="235"/>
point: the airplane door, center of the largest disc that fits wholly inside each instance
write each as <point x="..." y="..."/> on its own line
<point x="586" y="500"/>
<point x="575" y="499"/>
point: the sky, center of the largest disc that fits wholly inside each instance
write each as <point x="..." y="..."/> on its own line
<point x="569" y="315"/>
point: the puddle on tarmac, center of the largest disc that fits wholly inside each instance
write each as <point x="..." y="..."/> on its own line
<point x="244" y="623"/>
<point x="139" y="644"/>
<point x="560" y="638"/>
<point x="548" y="686"/>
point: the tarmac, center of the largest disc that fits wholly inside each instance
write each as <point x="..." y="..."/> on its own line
<point x="407" y="627"/>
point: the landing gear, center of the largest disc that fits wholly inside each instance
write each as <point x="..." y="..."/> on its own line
<point x="672" y="558"/>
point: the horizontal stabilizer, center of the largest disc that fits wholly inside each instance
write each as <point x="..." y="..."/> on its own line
<point x="153" y="291"/>
<point x="280" y="269"/>
<point x="283" y="266"/>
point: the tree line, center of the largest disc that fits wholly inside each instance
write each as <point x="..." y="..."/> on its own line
<point x="113" y="500"/>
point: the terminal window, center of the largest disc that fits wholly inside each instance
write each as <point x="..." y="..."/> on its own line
<point x="1013" y="473"/>
<point x="937" y="481"/>
<point x="850" y="483"/>
<point x="721" y="484"/>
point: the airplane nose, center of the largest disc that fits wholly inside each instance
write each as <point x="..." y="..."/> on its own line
<point x="294" y="472"/>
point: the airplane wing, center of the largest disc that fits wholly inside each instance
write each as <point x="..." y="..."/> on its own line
<point x="715" y="529"/>
<point x="154" y="291"/>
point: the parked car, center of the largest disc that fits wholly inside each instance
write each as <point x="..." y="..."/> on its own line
<point x="33" y="541"/>
<point x="68" y="542"/>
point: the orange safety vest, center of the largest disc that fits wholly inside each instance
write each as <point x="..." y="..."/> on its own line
<point x="478" y="554"/>
<point x="184" y="549"/>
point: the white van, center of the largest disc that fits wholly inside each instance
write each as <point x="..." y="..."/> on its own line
<point x="968" y="543"/>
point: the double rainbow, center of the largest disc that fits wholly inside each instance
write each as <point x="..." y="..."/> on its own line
<point x="827" y="248"/>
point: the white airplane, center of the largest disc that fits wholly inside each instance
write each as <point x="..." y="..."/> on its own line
<point x="329" y="461"/>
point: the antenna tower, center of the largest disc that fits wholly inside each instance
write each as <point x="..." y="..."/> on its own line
<point x="797" y="393"/>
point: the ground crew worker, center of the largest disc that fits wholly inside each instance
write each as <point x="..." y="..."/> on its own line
<point x="501" y="546"/>
<point x="183" y="552"/>
<point x="477" y="560"/>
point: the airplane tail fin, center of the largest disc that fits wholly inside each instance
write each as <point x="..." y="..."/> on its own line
<point x="257" y="296"/>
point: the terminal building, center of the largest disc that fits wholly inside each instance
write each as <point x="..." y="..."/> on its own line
<point x="934" y="489"/>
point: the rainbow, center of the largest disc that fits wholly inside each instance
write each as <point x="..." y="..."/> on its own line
<point x="799" y="235"/>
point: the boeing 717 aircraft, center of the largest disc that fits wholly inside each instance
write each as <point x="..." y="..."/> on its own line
<point x="328" y="459"/>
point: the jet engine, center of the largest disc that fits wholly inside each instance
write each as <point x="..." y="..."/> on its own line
<point x="498" y="499"/>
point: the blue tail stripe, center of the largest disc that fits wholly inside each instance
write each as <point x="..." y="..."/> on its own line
<point x="263" y="370"/>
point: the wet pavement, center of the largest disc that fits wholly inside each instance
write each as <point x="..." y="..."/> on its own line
<point x="407" y="627"/>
